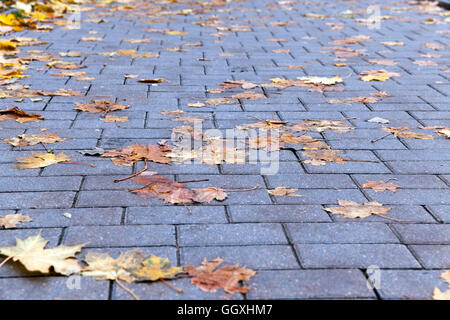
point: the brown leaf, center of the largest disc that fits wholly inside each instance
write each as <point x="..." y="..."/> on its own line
<point x="162" y="188"/>
<point x="100" y="106"/>
<point x="319" y="158"/>
<point x="11" y="220"/>
<point x="208" y="194"/>
<point x="351" y="209"/>
<point x="283" y="191"/>
<point x="379" y="186"/>
<point x="401" y="132"/>
<point x="20" y="116"/>
<point x="208" y="278"/>
<point x="137" y="152"/>
<point x="24" y="140"/>
<point x="249" y="95"/>
<point x="41" y="160"/>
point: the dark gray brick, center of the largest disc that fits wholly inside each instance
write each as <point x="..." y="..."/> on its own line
<point x="355" y="256"/>
<point x="231" y="234"/>
<point x="309" y="284"/>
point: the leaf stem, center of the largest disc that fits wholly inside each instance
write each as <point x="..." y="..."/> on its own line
<point x="127" y="289"/>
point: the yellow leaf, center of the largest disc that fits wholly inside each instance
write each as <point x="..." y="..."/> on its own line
<point x="155" y="268"/>
<point x="32" y="254"/>
<point x="41" y="160"/>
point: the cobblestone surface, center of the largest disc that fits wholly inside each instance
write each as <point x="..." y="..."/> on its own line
<point x="300" y="250"/>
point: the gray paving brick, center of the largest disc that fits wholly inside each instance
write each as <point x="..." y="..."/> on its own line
<point x="255" y="257"/>
<point x="424" y="233"/>
<point x="355" y="256"/>
<point x="340" y="233"/>
<point x="309" y="284"/>
<point x="53" y="288"/>
<point x="278" y="213"/>
<point x="120" y="236"/>
<point x="231" y="234"/>
<point x="407" y="284"/>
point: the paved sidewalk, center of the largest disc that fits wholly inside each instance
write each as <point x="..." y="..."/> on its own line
<point x="299" y="250"/>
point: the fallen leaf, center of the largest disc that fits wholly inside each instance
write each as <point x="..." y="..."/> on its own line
<point x="401" y="132"/>
<point x="379" y="186"/>
<point x="100" y="106"/>
<point x="103" y="267"/>
<point x="155" y="268"/>
<point x="24" y="140"/>
<point x="208" y="278"/>
<point x="41" y="160"/>
<point x="111" y="118"/>
<point x="351" y="209"/>
<point x="208" y="194"/>
<point x="127" y="156"/>
<point x="378" y="120"/>
<point x="283" y="191"/>
<point x="32" y="254"/>
<point x="20" y="116"/>
<point x="12" y="220"/>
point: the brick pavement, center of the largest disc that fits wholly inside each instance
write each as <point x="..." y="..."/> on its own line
<point x="299" y="250"/>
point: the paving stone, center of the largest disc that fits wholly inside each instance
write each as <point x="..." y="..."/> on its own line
<point x="407" y="284"/>
<point x="231" y="234"/>
<point x="310" y="284"/>
<point x="424" y="233"/>
<point x="278" y="213"/>
<point x="175" y="215"/>
<point x="54" y="288"/>
<point x="355" y="256"/>
<point x="254" y="257"/>
<point x="33" y="200"/>
<point x="120" y="236"/>
<point x="340" y="233"/>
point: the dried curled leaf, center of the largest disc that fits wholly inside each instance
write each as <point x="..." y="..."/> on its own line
<point x="401" y="132"/>
<point x="24" y="140"/>
<point x="12" y="220"/>
<point x="156" y="268"/>
<point x="321" y="80"/>
<point x="41" y="160"/>
<point x="103" y="267"/>
<point x="32" y="254"/>
<point x="208" y="194"/>
<point x="162" y="188"/>
<point x="100" y="106"/>
<point x="379" y="186"/>
<point x="351" y="209"/>
<point x="208" y="278"/>
<point x="20" y="116"/>
<point x="284" y="192"/>
<point x="137" y="152"/>
<point x="320" y="158"/>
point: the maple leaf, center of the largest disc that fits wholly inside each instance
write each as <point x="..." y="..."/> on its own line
<point x="379" y="186"/>
<point x="162" y="188"/>
<point x="319" y="158"/>
<point x="351" y="209"/>
<point x="111" y="118"/>
<point x="393" y="43"/>
<point x="266" y="124"/>
<point x="197" y="104"/>
<point x="20" y="116"/>
<point x="249" y="95"/>
<point x="156" y="268"/>
<point x="377" y="75"/>
<point x="219" y="101"/>
<point x="401" y="132"/>
<point x="23" y="140"/>
<point x="100" y="106"/>
<point x="32" y="254"/>
<point x="103" y="267"/>
<point x="208" y="278"/>
<point x="41" y="160"/>
<point x="208" y="194"/>
<point x="321" y="80"/>
<point x="439" y="295"/>
<point x="11" y="220"/>
<point x="137" y="152"/>
<point x="283" y="191"/>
